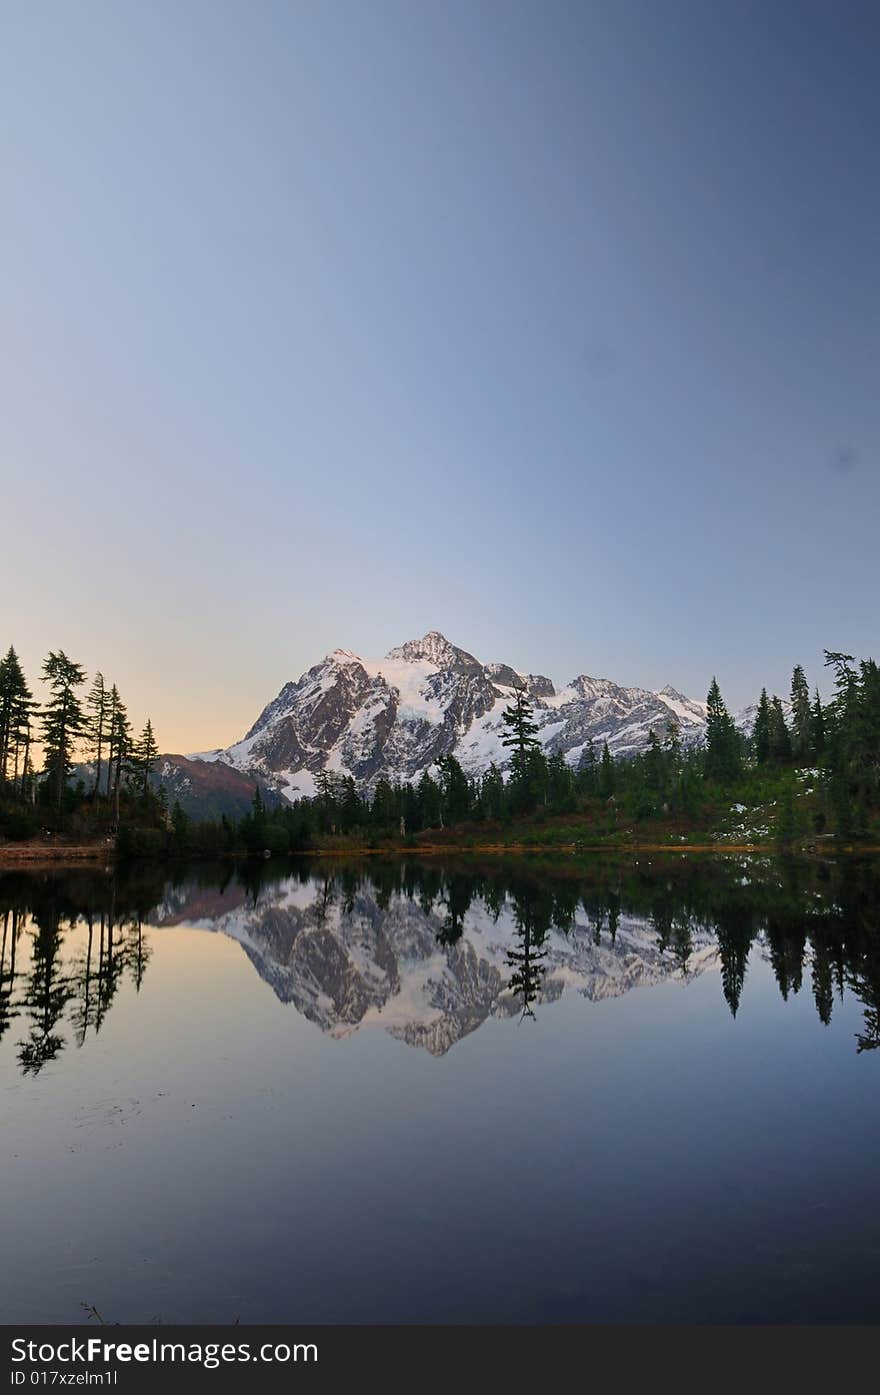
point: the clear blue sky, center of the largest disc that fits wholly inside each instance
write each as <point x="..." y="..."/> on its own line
<point x="552" y="326"/>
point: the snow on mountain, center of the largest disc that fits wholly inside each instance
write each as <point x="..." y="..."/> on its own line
<point x="395" y="717"/>
<point x="745" y="719"/>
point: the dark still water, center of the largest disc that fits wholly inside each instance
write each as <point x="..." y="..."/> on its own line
<point x="520" y="1092"/>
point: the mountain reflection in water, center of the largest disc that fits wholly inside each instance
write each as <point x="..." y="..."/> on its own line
<point x="430" y="951"/>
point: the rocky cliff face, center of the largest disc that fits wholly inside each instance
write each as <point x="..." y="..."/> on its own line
<point x="395" y="717"/>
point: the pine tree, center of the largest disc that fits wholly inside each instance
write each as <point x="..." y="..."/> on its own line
<point x="606" y="773"/>
<point x="119" y="748"/>
<point x="845" y="750"/>
<point x="537" y="778"/>
<point x="16" y="708"/>
<point x="761" y="732"/>
<point x="853" y="741"/>
<point x="143" y="758"/>
<point x="351" y="808"/>
<point x="98" y="703"/>
<point x="179" y="825"/>
<point x="780" y="736"/>
<point x="654" y="766"/>
<point x="586" y="769"/>
<point x="325" y="787"/>
<point x="672" y="742"/>
<point x="723" y="762"/>
<point x="63" y="720"/>
<point x="20" y="736"/>
<point x="519" y="736"/>
<point x="252" y="828"/>
<point x="429" y="801"/>
<point x="560" y="790"/>
<point x="454" y="788"/>
<point x="492" y="793"/>
<point x="384" y="805"/>
<point x="817" y="729"/>
<point x="801" y="718"/>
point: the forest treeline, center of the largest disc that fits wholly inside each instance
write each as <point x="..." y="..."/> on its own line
<point x="832" y="749"/>
<point x="67" y="726"/>
<point x="815" y="765"/>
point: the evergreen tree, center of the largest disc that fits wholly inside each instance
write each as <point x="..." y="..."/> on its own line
<point x="761" y="732"/>
<point x="801" y="718"/>
<point x="519" y="736"/>
<point x="492" y="793"/>
<point x="21" y="736"/>
<point x="325" y="787"/>
<point x="852" y="743"/>
<point x="672" y="743"/>
<point x="606" y="773"/>
<point x="384" y="806"/>
<point x="560" y="786"/>
<point x="723" y="762"/>
<point x="143" y="758"/>
<point x="252" y="828"/>
<point x="351" y="807"/>
<point x="429" y="801"/>
<point x="98" y="703"/>
<point x="537" y="782"/>
<point x="869" y="724"/>
<point x="16" y="709"/>
<point x="113" y="705"/>
<point x="780" y="737"/>
<point x="654" y="766"/>
<point x="455" y="790"/>
<point x="179" y="825"/>
<point x="586" y="769"/>
<point x="119" y="749"/>
<point x="63" y="721"/>
<point x="817" y="729"/>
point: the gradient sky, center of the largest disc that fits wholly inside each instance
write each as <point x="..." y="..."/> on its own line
<point x="552" y="326"/>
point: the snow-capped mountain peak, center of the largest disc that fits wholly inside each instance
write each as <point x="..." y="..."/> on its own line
<point x="436" y="649"/>
<point x="396" y="716"/>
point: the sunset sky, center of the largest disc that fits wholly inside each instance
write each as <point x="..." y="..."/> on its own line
<point x="555" y="327"/>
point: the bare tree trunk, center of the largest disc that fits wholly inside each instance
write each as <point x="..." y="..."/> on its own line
<point x="27" y="748"/>
<point x="100" y="741"/>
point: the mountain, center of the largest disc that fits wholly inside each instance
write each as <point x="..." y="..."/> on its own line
<point x="208" y="791"/>
<point x="347" y="963"/>
<point x="203" y="790"/>
<point x="393" y="718"/>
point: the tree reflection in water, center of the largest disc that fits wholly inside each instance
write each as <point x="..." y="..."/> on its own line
<point x="68" y="941"/>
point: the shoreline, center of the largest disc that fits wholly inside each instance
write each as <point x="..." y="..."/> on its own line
<point x="33" y="857"/>
<point x="13" y="855"/>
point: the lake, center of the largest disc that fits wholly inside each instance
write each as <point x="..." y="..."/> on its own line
<point x="510" y="1091"/>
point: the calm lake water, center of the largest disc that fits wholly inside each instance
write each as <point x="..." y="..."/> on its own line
<point x="519" y="1092"/>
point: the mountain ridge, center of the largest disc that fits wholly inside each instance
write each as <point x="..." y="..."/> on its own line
<point x="393" y="718"/>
